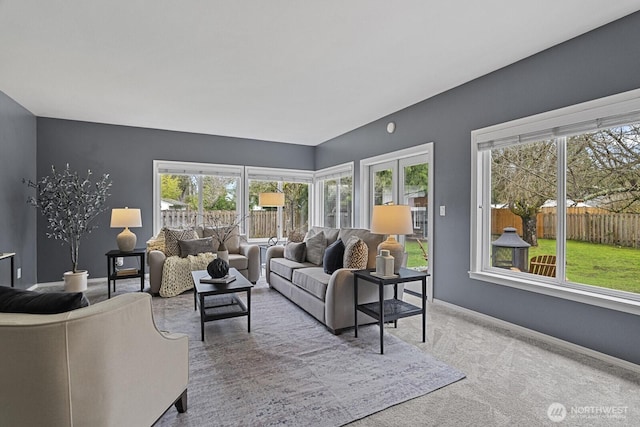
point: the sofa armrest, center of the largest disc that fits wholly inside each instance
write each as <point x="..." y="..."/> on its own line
<point x="156" y="263"/>
<point x="275" y="251"/>
<point x="252" y="252"/>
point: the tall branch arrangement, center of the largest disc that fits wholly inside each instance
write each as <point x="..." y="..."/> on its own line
<point x="70" y="204"/>
<point x="223" y="230"/>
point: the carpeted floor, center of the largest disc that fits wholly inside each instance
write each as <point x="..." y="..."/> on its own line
<point x="290" y="370"/>
<point x="512" y="378"/>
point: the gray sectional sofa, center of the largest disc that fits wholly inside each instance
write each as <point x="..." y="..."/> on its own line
<point x="327" y="297"/>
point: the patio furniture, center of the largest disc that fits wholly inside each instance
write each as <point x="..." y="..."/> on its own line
<point x="543" y="265"/>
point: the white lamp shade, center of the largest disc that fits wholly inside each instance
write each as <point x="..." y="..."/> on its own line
<point x="391" y="219"/>
<point x="271" y="199"/>
<point x="125" y="217"/>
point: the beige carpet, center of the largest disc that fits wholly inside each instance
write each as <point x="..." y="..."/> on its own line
<point x="290" y="370"/>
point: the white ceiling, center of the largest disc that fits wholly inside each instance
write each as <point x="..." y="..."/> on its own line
<point x="289" y="71"/>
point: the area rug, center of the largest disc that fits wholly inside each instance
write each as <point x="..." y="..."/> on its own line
<point x="290" y="370"/>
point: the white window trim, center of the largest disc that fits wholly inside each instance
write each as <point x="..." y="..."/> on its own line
<point x="574" y="119"/>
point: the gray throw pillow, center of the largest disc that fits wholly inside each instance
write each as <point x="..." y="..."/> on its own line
<point x="195" y="246"/>
<point x="295" y="251"/>
<point x="316" y="246"/>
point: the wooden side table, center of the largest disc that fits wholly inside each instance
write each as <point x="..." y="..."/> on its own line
<point x="391" y="309"/>
<point x="112" y="272"/>
<point x="10" y="256"/>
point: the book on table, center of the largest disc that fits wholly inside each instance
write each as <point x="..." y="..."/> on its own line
<point x="218" y="280"/>
<point x="126" y="271"/>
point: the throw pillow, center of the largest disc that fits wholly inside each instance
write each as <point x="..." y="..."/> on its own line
<point x="21" y="301"/>
<point x="356" y="254"/>
<point x="295" y="251"/>
<point x="315" y="248"/>
<point x="171" y="237"/>
<point x="195" y="246"/>
<point x="333" y="257"/>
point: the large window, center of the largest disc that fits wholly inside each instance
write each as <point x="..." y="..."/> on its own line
<point x="278" y="221"/>
<point x="568" y="182"/>
<point x="334" y="187"/>
<point x="189" y="194"/>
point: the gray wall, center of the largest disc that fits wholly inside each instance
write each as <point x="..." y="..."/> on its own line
<point x="603" y="62"/>
<point x="17" y="218"/>
<point x="127" y="154"/>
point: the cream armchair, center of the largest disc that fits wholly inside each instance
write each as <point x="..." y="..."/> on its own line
<point x="102" y="365"/>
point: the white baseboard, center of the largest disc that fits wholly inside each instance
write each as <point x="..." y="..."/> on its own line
<point x="546" y="338"/>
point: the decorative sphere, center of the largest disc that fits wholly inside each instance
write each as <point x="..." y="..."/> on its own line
<point x="218" y="268"/>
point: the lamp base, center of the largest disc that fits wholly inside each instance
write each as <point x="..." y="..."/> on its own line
<point x="396" y="250"/>
<point x="126" y="240"/>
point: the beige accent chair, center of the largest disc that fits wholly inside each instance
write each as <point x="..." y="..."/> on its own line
<point x="102" y="365"/>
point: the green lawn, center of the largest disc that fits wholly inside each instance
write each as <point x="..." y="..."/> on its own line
<point x="599" y="265"/>
<point x="587" y="263"/>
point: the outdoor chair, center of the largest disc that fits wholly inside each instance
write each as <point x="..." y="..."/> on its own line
<point x="544" y="265"/>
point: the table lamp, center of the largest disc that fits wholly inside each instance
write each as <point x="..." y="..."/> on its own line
<point x="271" y="200"/>
<point x="392" y="220"/>
<point x="125" y="217"/>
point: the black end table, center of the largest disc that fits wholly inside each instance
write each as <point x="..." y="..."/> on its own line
<point x="113" y="274"/>
<point x="217" y="307"/>
<point x="10" y="256"/>
<point x="390" y="309"/>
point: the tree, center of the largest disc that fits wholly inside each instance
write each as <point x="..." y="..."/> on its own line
<point x="603" y="168"/>
<point x="524" y="177"/>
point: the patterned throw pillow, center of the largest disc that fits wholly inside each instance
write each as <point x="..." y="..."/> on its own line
<point x="315" y="248"/>
<point x="333" y="257"/>
<point x="195" y="246"/>
<point x="295" y="251"/>
<point x="356" y="254"/>
<point x="171" y="238"/>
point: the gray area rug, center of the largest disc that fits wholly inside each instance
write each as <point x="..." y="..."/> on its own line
<point x="290" y="370"/>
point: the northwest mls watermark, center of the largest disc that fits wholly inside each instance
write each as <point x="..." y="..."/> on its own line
<point x="557" y="412"/>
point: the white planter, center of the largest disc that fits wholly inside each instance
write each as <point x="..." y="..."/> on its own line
<point x="75" y="282"/>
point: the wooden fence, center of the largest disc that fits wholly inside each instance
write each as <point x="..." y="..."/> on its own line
<point x="585" y="226"/>
<point x="259" y="223"/>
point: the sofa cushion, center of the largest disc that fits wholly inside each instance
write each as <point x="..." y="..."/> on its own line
<point x="355" y="254"/>
<point x="285" y="267"/>
<point x="372" y="241"/>
<point x="21" y="301"/>
<point x="315" y="247"/>
<point x="295" y="251"/>
<point x="239" y="262"/>
<point x="171" y="238"/>
<point x="195" y="246"/>
<point x="313" y="280"/>
<point x="333" y="257"/>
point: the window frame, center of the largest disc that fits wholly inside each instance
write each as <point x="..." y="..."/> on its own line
<point x="193" y="168"/>
<point x="557" y="124"/>
<point x="334" y="172"/>
<point x="281" y="176"/>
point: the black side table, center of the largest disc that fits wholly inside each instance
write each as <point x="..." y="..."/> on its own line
<point x="113" y="274"/>
<point x="390" y="309"/>
<point x="10" y="256"/>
